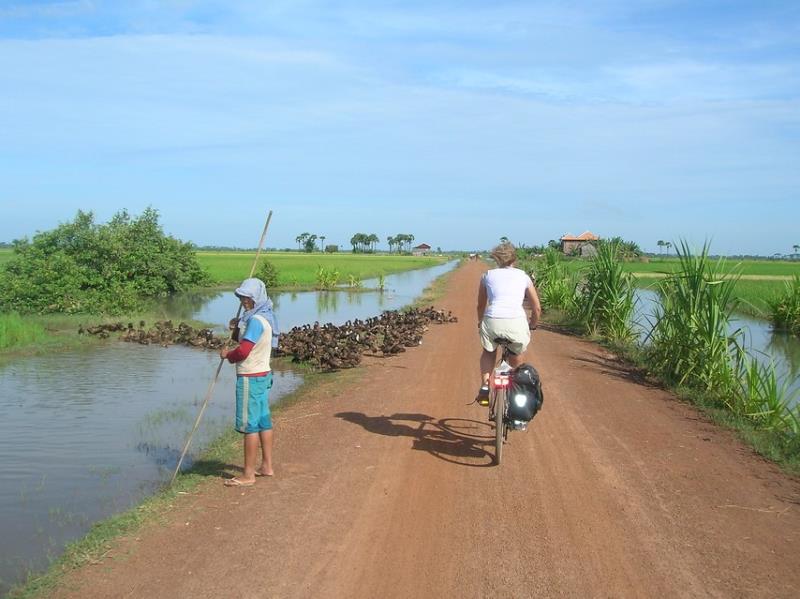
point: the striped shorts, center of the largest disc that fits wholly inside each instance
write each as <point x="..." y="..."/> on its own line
<point x="252" y="403"/>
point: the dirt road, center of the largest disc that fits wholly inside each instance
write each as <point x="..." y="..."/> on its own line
<point x="387" y="489"/>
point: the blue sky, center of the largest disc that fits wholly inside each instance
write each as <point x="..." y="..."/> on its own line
<point x="458" y="122"/>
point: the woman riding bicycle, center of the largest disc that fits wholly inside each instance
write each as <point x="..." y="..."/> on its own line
<point x="501" y="314"/>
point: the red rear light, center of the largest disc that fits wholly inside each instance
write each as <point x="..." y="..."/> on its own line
<point x="502" y="382"/>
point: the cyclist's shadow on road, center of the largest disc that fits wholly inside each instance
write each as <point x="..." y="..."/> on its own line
<point x="455" y="440"/>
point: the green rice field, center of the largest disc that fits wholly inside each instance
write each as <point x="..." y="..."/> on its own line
<point x="300" y="269"/>
<point x="748" y="268"/>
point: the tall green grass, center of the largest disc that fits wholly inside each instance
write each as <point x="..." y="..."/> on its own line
<point x="690" y="344"/>
<point x="16" y="331"/>
<point x="785" y="308"/>
<point x="555" y="282"/>
<point x="607" y="299"/>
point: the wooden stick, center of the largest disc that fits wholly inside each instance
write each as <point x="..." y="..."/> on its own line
<point x="219" y="366"/>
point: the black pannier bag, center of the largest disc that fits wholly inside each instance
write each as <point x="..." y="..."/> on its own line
<point x="525" y="395"/>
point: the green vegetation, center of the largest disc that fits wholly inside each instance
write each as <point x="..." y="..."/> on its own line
<point x="606" y="298"/>
<point x="690" y="348"/>
<point x="83" y="267"/>
<point x="785" y="308"/>
<point x="14" y="331"/>
<point x="299" y="269"/>
<point x="327" y="278"/>
<point x="690" y="344"/>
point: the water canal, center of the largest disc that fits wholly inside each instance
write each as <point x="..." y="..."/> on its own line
<point x="87" y="434"/>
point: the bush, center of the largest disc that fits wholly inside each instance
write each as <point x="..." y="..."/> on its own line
<point x="268" y="273"/>
<point x="84" y="267"/>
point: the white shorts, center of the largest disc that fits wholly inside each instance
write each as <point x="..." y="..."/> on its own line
<point x="514" y="329"/>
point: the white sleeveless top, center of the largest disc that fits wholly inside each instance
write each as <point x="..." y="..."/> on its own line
<point x="505" y="292"/>
<point x="258" y="358"/>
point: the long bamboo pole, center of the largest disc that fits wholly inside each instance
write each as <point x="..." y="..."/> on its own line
<point x="221" y="362"/>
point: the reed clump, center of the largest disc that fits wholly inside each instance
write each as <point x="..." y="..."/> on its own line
<point x="690" y="343"/>
<point x="785" y="308"/>
<point x="555" y="283"/>
<point x="327" y="278"/>
<point x="606" y="299"/>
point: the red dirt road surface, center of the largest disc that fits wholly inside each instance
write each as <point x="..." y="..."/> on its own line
<point x="388" y="489"/>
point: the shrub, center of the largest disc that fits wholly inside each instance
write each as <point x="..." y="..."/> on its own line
<point x="84" y="267"/>
<point x="268" y="273"/>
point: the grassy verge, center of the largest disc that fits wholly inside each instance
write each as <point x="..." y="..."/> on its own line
<point x="215" y="461"/>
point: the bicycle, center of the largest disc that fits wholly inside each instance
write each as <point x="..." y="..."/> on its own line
<point x="499" y="383"/>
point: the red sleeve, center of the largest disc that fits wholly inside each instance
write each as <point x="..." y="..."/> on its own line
<point x="241" y="351"/>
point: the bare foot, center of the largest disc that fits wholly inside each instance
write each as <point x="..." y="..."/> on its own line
<point x="264" y="471"/>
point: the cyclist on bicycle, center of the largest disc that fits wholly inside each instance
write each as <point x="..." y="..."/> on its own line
<point x="501" y="314"/>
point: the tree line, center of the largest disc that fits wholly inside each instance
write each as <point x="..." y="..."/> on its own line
<point x="361" y="242"/>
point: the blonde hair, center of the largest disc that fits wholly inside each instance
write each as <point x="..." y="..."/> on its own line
<point x="504" y="254"/>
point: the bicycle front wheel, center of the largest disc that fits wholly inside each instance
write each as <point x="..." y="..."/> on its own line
<point x="499" y="414"/>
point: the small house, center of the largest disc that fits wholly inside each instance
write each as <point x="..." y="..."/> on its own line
<point x="423" y="249"/>
<point x="571" y="244"/>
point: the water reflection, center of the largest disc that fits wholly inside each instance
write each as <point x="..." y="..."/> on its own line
<point x="295" y="308"/>
<point x="89" y="433"/>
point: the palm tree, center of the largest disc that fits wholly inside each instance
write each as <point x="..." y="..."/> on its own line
<point x="390" y="241"/>
<point x="796" y="248"/>
<point x="661" y="243"/>
<point x="372" y="239"/>
<point x="300" y="239"/>
<point x="321" y="243"/>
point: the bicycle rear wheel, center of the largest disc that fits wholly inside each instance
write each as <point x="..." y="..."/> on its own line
<point x="499" y="414"/>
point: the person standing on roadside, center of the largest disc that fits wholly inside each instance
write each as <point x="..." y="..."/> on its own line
<point x="501" y="314"/>
<point x="257" y="333"/>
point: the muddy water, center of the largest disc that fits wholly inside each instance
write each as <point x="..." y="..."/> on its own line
<point x="760" y="340"/>
<point x="87" y="434"/>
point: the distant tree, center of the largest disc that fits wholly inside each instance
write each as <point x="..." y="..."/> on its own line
<point x="310" y="244"/>
<point x="668" y="244"/>
<point x="372" y="239"/>
<point x="504" y="239"/>
<point x="301" y="240"/>
<point x="321" y="242"/>
<point x="390" y="241"/>
<point x="661" y="245"/>
<point x="796" y="248"/>
<point x="331" y="249"/>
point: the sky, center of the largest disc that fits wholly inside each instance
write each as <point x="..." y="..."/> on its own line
<point x="459" y="122"/>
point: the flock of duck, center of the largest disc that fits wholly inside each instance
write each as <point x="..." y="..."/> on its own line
<point x="325" y="347"/>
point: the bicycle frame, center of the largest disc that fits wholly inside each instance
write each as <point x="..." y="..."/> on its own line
<point x="499" y="382"/>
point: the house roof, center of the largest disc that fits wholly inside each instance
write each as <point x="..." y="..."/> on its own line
<point x="585" y="236"/>
<point x="422" y="246"/>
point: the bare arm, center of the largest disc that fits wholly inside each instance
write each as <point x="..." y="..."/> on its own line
<point x="482" y="299"/>
<point x="536" y="306"/>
